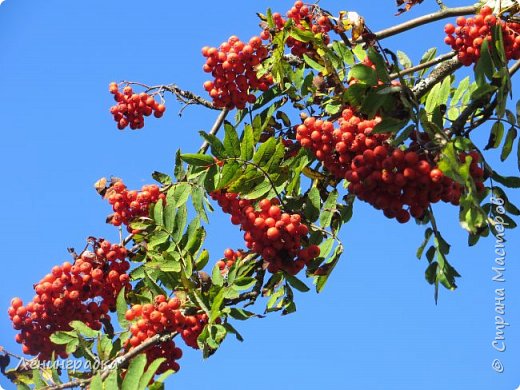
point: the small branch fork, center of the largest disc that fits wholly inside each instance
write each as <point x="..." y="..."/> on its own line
<point x="185" y="97"/>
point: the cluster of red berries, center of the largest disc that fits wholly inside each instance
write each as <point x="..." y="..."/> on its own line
<point x="231" y="257"/>
<point x="131" y="108"/>
<point x="164" y="316"/>
<point x="274" y="235"/>
<point x="399" y="182"/>
<point x="469" y="33"/>
<point x="128" y="205"/>
<point x="85" y="291"/>
<point x="305" y="17"/>
<point x="233" y="66"/>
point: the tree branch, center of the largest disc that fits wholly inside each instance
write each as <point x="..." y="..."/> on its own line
<point x="422" y="20"/>
<point x="117" y="362"/>
<point x="188" y="97"/>
<point x="437" y="75"/>
<point x="424" y="65"/>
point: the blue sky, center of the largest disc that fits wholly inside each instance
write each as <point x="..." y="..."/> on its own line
<point x="374" y="327"/>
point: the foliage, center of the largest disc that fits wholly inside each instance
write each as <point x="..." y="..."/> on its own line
<point x="322" y="120"/>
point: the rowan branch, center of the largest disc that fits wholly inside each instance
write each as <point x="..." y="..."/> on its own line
<point x="422" y="20"/>
<point x="424" y="65"/>
<point x="118" y="362"/>
<point x="186" y="97"/>
<point x="437" y="75"/>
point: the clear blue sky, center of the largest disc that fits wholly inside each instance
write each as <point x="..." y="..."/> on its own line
<point x="374" y="327"/>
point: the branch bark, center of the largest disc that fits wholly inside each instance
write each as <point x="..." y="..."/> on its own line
<point x="424" y="65"/>
<point x="436" y="76"/>
<point x="422" y="20"/>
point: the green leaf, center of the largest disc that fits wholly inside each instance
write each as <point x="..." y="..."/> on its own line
<point x="260" y="190"/>
<point x="150" y="373"/>
<point x="247" y="146"/>
<point x="121" y="308"/>
<point x="364" y="74"/>
<point x="431" y="272"/>
<point x="217" y="148"/>
<point x="301" y="35"/>
<point x="404" y="60"/>
<point x="134" y="373"/>
<point x="343" y="52"/>
<point x="197" y="159"/>
<point x="63" y="338"/>
<point x="159" y="382"/>
<point x="216" y="305"/>
<point x="202" y="260"/>
<point x="359" y="52"/>
<point x="216" y="277"/>
<point x="329" y="267"/>
<point x="111" y="382"/>
<point x="244" y="283"/>
<point x="231" y="141"/>
<point x="240" y="314"/>
<point x="179" y="194"/>
<point x="297" y="283"/>
<point x="158" y="213"/>
<point x="265" y="152"/>
<point x="495" y="136"/>
<point x="508" y="181"/>
<point x="329" y="208"/>
<point x="313" y="64"/>
<point x="378" y="60"/>
<point x="461" y="90"/>
<point x="312" y="205"/>
<point x="508" y="144"/>
<point x="427" y="235"/>
<point x="96" y="383"/>
<point x="83" y="329"/>
<point x="179" y="171"/>
<point x="181" y="218"/>
<point x="39" y="383"/>
<point x="162" y="178"/>
<point x="197" y="197"/>
<point x="484" y="68"/>
<point x="428" y="56"/>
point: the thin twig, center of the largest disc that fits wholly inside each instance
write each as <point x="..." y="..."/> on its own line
<point x="422" y="20"/>
<point x="424" y="65"/>
<point x="186" y="97"/>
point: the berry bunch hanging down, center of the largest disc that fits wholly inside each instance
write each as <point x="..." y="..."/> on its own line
<point x="269" y="232"/>
<point x="84" y="291"/>
<point x="161" y="317"/>
<point x="305" y="18"/>
<point x="234" y="68"/>
<point x="128" y="205"/>
<point x="131" y="108"/>
<point x="399" y="182"/>
<point x="467" y="36"/>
